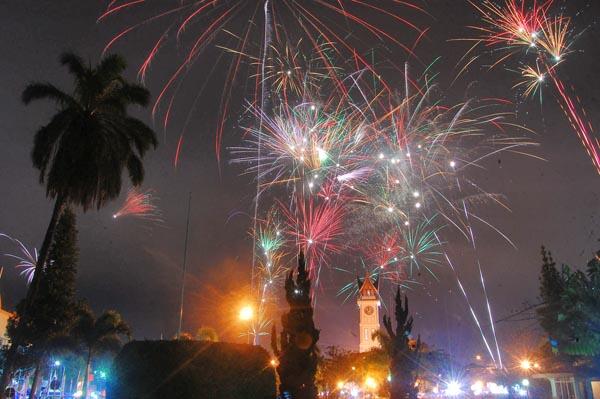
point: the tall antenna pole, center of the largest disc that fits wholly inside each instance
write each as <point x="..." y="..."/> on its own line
<point x="183" y="269"/>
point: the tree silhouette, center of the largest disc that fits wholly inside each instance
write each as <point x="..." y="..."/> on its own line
<point x="82" y="152"/>
<point x="404" y="353"/>
<point x="47" y="329"/>
<point x="209" y="334"/>
<point x="570" y="311"/>
<point x="297" y="350"/>
<point x="98" y="335"/>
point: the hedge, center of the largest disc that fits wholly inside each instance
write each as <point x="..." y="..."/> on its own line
<point x="190" y="370"/>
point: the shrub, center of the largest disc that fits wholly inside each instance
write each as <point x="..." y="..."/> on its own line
<point x="191" y="369"/>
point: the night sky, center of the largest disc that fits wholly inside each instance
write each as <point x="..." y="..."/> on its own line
<point x="134" y="267"/>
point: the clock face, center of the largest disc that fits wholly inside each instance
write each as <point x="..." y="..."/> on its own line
<point x="369" y="310"/>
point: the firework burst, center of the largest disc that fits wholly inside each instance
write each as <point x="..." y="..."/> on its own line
<point x="353" y="170"/>
<point x="317" y="228"/>
<point x="271" y="269"/>
<point x="26" y="259"/>
<point x="540" y="36"/>
<point x="323" y="28"/>
<point x="533" y="79"/>
<point x="140" y="204"/>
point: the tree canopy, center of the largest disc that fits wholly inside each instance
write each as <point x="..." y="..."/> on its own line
<point x="570" y="311"/>
<point x="83" y="150"/>
<point x="54" y="310"/>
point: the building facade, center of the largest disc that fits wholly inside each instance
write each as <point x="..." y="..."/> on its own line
<point x="4" y="316"/>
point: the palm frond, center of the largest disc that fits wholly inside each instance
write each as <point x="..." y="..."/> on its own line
<point x="136" y="170"/>
<point x="142" y="136"/>
<point x="133" y="94"/>
<point x="40" y="91"/>
<point x="75" y="64"/>
<point x="45" y="140"/>
<point x="111" y="67"/>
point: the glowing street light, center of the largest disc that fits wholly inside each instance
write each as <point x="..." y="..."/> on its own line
<point x="370" y="383"/>
<point x="340" y="384"/>
<point x="453" y="388"/>
<point x="526" y="364"/>
<point x="246" y="313"/>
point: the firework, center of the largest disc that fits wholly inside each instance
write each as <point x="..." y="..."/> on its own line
<point x="316" y="227"/>
<point x="305" y="138"/>
<point x="272" y="267"/>
<point x="351" y="169"/>
<point x="270" y="240"/>
<point x="351" y="175"/>
<point x="324" y="27"/>
<point x="360" y="175"/>
<point x="533" y="79"/>
<point x="26" y="259"/>
<point x="140" y="205"/>
<point x="542" y="38"/>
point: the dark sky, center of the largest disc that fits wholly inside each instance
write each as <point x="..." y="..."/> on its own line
<point x="134" y="268"/>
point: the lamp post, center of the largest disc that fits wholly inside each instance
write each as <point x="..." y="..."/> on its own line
<point x="247" y="315"/>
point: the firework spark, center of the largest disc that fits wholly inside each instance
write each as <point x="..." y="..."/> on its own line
<point x="140" y="205"/>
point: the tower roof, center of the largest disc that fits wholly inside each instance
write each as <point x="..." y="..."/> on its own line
<point x="367" y="287"/>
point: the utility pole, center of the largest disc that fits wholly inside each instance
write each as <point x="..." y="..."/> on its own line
<point x="183" y="269"/>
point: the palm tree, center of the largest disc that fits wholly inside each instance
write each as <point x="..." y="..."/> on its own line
<point x="84" y="149"/>
<point x="98" y="335"/>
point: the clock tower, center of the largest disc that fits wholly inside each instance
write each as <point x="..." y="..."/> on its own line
<point x="368" y="307"/>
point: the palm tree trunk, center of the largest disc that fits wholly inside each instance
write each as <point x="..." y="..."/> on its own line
<point x="59" y="206"/>
<point x="36" y="378"/>
<point x="86" y="377"/>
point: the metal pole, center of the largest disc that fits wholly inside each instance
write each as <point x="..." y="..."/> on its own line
<point x="187" y="232"/>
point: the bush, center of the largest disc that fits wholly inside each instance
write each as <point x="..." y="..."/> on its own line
<point x="191" y="369"/>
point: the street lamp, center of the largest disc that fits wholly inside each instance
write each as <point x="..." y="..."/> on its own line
<point x="370" y="383"/>
<point x="526" y="364"/>
<point x="246" y="313"/>
<point x="453" y="388"/>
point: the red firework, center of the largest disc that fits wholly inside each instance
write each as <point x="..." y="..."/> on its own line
<point x="316" y="228"/>
<point x="141" y="205"/>
<point x="195" y="26"/>
<point x="526" y="28"/>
